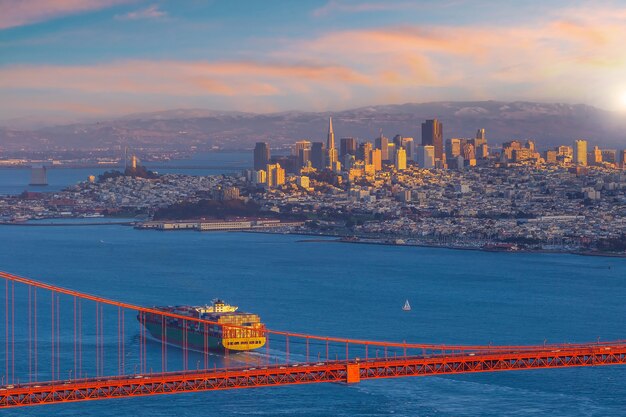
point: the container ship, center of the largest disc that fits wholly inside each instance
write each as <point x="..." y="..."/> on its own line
<point x="237" y="331"/>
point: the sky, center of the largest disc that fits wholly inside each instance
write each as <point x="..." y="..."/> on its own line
<point x="103" y="58"/>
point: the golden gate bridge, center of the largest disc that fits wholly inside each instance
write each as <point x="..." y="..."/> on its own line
<point x="65" y="346"/>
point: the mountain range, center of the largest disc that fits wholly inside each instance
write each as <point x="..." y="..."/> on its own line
<point x="549" y="124"/>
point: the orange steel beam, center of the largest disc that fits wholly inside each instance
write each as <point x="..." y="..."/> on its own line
<point x="442" y="347"/>
<point x="306" y="373"/>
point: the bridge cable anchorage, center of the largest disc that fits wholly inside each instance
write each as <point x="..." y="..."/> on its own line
<point x="188" y="366"/>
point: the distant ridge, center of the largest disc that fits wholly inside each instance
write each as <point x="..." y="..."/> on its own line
<point x="549" y="124"/>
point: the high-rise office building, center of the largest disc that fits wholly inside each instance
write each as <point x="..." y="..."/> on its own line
<point x="426" y="156"/>
<point x="596" y="156"/>
<point x="260" y="176"/>
<point x="565" y="151"/>
<point x="301" y="144"/>
<point x="453" y="148"/>
<point x="482" y="151"/>
<point x="302" y="152"/>
<point x="550" y="156"/>
<point x="376" y="159"/>
<point x="348" y="161"/>
<point x="432" y="134"/>
<point x="397" y="139"/>
<point x="580" y="152"/>
<point x="330" y="145"/>
<point x="347" y="146"/>
<point x="391" y="152"/>
<point x="480" y="135"/>
<point x="275" y="175"/>
<point x="364" y="154"/>
<point x="304" y="157"/>
<point x="318" y="155"/>
<point x="609" y="155"/>
<point x="622" y="158"/>
<point x="408" y="145"/>
<point x="522" y="154"/>
<point x="456" y="163"/>
<point x="400" y="159"/>
<point x="261" y="155"/>
<point x="469" y="153"/>
<point x="382" y="143"/>
<point x="480" y="144"/>
<point x="508" y="148"/>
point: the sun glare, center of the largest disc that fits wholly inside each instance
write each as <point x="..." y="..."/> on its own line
<point x="622" y="100"/>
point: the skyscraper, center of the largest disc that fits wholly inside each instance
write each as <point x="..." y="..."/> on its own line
<point x="480" y="144"/>
<point x="347" y="147"/>
<point x="482" y="151"/>
<point x="275" y="175"/>
<point x="407" y="144"/>
<point x="426" y="156"/>
<point x="454" y="148"/>
<point x="432" y="134"/>
<point x="480" y="135"/>
<point x="550" y="156"/>
<point x="318" y="155"/>
<point x="304" y="157"/>
<point x="382" y="143"/>
<point x="391" y="152"/>
<point x="469" y="153"/>
<point x="377" y="159"/>
<point x="302" y="151"/>
<point x="330" y="144"/>
<point x="301" y="144"/>
<point x="365" y="151"/>
<point x="580" y="152"/>
<point x="609" y="155"/>
<point x="400" y="159"/>
<point x="261" y="155"/>
<point x="565" y="151"/>
<point x="596" y="156"/>
<point x="348" y="161"/>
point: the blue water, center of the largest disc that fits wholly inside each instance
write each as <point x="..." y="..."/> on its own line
<point x="354" y="291"/>
<point x="15" y="180"/>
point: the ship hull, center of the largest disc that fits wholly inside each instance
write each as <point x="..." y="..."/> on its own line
<point x="201" y="341"/>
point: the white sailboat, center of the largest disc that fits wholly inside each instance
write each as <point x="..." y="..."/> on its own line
<point x="407" y="306"/>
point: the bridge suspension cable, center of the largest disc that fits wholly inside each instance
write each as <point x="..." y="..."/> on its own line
<point x="62" y="345"/>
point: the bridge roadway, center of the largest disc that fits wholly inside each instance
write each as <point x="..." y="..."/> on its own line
<point x="352" y="371"/>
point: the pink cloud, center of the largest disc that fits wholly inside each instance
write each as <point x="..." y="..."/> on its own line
<point x="24" y="12"/>
<point x="178" y="78"/>
<point x="575" y="56"/>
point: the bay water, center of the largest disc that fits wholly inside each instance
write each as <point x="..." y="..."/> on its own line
<point x="356" y="291"/>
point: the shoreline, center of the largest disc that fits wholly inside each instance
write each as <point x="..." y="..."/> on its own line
<point x="330" y="238"/>
<point x="71" y="224"/>
<point x="338" y="239"/>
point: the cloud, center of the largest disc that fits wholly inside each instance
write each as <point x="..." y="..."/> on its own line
<point x="150" y="12"/>
<point x="575" y="55"/>
<point x="180" y="78"/>
<point x="24" y="12"/>
<point x="337" y="6"/>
